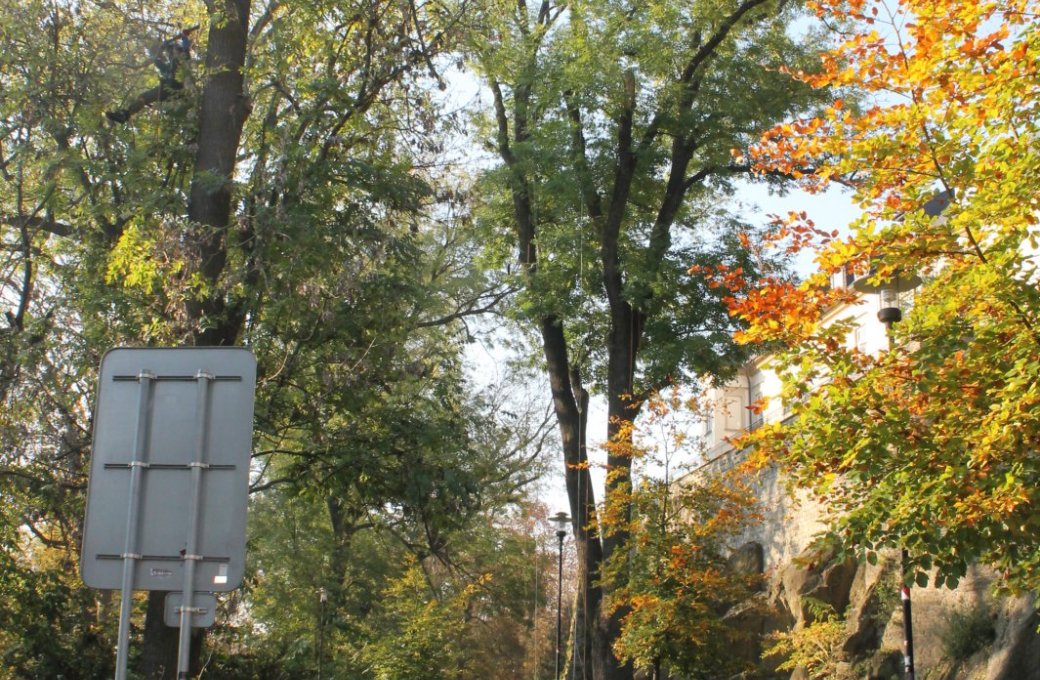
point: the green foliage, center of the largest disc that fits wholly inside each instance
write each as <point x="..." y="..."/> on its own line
<point x="567" y="77"/>
<point x="345" y="266"/>
<point x="966" y="631"/>
<point x="421" y="636"/>
<point x="816" y="646"/>
<point x="387" y="613"/>
<point x="614" y="124"/>
<point x="50" y="626"/>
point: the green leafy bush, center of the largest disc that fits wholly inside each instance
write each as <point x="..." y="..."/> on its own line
<point x="968" y="631"/>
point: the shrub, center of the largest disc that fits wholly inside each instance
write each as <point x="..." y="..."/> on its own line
<point x="968" y="631"/>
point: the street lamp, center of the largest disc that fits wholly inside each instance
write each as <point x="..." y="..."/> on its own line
<point x="889" y="313"/>
<point x="560" y="520"/>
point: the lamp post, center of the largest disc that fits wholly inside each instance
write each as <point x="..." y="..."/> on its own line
<point x="323" y="600"/>
<point x="889" y="313"/>
<point x="560" y="520"/>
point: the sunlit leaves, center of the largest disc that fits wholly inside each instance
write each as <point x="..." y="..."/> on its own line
<point x="335" y="267"/>
<point x="675" y="581"/>
<point x="933" y="443"/>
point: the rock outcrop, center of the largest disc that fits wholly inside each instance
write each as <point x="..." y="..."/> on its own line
<point x="962" y="634"/>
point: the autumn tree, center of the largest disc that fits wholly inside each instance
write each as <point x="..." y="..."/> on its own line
<point x="930" y="446"/>
<point x="677" y="583"/>
<point x="613" y="124"/>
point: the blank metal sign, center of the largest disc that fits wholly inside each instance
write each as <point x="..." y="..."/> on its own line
<point x="166" y="412"/>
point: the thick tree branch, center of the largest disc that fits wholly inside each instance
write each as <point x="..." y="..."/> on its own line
<point x="707" y="50"/>
<point x="624" y="172"/>
<point x="745" y="169"/>
<point x="38" y="223"/>
<point x="264" y="20"/>
<point x="502" y="124"/>
<point x="579" y="151"/>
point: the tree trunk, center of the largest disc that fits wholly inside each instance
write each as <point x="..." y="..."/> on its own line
<point x="224" y="111"/>
<point x="159" y="656"/>
<point x="595" y="630"/>
<point x="225" y="107"/>
<point x="570" y="402"/>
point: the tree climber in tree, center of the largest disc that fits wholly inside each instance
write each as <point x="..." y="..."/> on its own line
<point x="168" y="58"/>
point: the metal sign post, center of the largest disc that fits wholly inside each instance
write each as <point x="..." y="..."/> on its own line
<point x="173" y="515"/>
<point x="130" y="544"/>
<point x="190" y="555"/>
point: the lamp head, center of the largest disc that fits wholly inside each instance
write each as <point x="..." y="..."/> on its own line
<point x="888" y="292"/>
<point x="900" y="282"/>
<point x="561" y="521"/>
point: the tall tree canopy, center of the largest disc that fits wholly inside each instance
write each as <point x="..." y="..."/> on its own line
<point x="287" y="197"/>
<point x="613" y="123"/>
<point x="930" y="446"/>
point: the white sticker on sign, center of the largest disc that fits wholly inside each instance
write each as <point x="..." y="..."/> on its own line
<point x="221" y="576"/>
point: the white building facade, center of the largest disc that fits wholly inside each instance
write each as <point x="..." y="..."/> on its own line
<point x="789" y="523"/>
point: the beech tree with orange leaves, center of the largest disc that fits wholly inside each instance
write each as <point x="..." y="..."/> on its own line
<point x="676" y="582"/>
<point x="933" y="445"/>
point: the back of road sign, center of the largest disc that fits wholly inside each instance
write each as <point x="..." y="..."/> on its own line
<point x="162" y="415"/>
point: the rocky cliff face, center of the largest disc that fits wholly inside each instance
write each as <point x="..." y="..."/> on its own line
<point x="844" y="619"/>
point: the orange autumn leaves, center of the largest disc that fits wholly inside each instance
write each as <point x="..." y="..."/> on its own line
<point x="930" y="446"/>
<point x="947" y="103"/>
<point x="676" y="580"/>
<point x="940" y="79"/>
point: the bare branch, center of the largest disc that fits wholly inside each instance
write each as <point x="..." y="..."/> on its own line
<point x="481" y="304"/>
<point x="264" y="19"/>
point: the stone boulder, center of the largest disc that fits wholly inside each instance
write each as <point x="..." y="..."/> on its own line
<point x="817" y="575"/>
<point x="1016" y="649"/>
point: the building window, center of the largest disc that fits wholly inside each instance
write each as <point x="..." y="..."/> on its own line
<point x="843" y="278"/>
<point x="757" y="412"/>
<point x="859" y="338"/>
